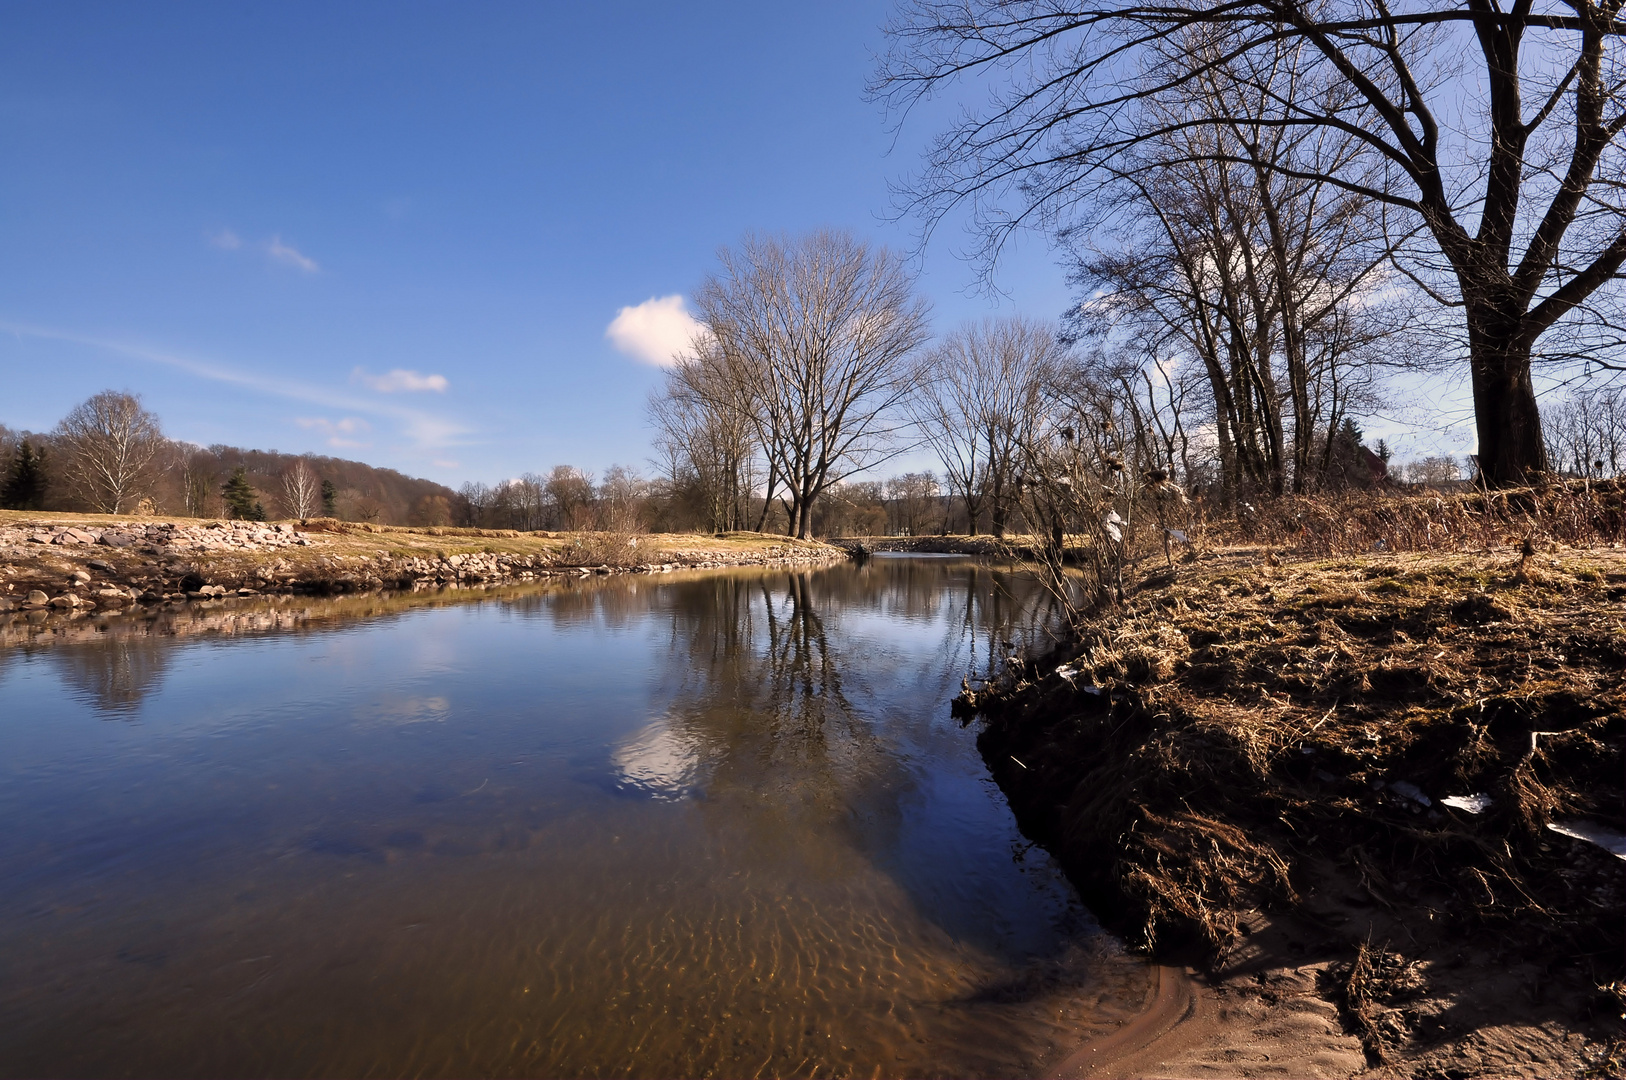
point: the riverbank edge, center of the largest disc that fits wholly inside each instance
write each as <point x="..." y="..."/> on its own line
<point x="1321" y="965"/>
<point x="86" y="563"/>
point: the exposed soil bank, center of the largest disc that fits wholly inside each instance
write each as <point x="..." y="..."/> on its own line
<point x="1329" y="787"/>
<point x="69" y="563"/>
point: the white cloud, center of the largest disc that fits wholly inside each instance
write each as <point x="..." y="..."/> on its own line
<point x="226" y="240"/>
<point x="339" y="431"/>
<point x="282" y="253"/>
<point x="400" y="379"/>
<point x="656" y="331"/>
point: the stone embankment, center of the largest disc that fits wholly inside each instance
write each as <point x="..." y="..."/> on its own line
<point x="52" y="567"/>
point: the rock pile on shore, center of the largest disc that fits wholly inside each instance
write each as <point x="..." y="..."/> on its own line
<point x="65" y="570"/>
<point x="162" y="537"/>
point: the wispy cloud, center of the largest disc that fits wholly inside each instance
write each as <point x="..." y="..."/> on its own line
<point x="423" y="430"/>
<point x="274" y="249"/>
<point x="656" y="331"/>
<point x="290" y="256"/>
<point x="398" y="380"/>
<point x="339" y="432"/>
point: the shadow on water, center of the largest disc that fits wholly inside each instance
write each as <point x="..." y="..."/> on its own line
<point x="691" y="824"/>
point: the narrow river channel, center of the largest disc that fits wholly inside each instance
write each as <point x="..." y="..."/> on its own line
<point x="702" y="824"/>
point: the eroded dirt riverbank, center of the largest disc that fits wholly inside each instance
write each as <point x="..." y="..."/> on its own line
<point x="1350" y="793"/>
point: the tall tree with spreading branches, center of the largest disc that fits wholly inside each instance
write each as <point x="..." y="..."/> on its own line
<point x="110" y="445"/>
<point x="812" y="338"/>
<point x="1517" y="219"/>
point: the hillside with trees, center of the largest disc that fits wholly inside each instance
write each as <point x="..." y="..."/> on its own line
<point x="109" y="455"/>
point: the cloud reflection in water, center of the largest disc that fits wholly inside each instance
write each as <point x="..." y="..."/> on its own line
<point x="658" y="762"/>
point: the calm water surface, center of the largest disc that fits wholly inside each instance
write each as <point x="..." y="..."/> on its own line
<point x="710" y="824"/>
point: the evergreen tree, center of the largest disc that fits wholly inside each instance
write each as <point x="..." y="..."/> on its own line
<point x="330" y="499"/>
<point x="26" y="481"/>
<point x="239" y="496"/>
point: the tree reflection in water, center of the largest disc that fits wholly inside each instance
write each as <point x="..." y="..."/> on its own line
<point x="114" y="674"/>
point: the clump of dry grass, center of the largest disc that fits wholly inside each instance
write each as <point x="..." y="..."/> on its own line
<point x="1578" y="512"/>
<point x="602" y="549"/>
<point x="1366" y="989"/>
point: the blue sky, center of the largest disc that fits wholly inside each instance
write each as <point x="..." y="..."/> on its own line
<point x="252" y="215"/>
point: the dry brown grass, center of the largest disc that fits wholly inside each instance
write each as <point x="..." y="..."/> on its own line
<point x="1575" y="513"/>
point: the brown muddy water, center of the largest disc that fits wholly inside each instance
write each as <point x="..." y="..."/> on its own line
<point x="716" y="824"/>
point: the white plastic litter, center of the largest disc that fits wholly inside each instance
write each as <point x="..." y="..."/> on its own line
<point x="1476" y="803"/>
<point x="1180" y="536"/>
<point x="1612" y="842"/>
<point x="1410" y="791"/>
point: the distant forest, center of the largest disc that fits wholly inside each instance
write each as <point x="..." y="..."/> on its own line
<point x="56" y="471"/>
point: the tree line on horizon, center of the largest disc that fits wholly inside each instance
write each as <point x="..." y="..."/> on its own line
<point x="110" y="455"/>
<point x="987" y="399"/>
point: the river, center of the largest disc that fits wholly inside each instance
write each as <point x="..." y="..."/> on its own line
<point x="702" y="824"/>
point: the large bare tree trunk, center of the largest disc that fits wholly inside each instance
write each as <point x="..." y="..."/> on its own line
<point x="1511" y="449"/>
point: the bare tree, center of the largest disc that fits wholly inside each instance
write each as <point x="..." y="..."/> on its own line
<point x="360" y="505"/>
<point x="706" y="439"/>
<point x="526" y="500"/>
<point x="301" y="490"/>
<point x="1522" y="213"/>
<point x="621" y="500"/>
<point x="913" y="504"/>
<point x="1259" y="270"/>
<point x="812" y="338"/>
<point x="571" y="498"/>
<point x="110" y="443"/>
<point x="473" y="504"/>
<point x="432" y="510"/>
<point x="1434" y="471"/>
<point x="1586" y="433"/>
<point x="978" y="399"/>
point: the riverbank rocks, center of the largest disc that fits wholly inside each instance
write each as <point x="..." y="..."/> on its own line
<point x="165" y="537"/>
